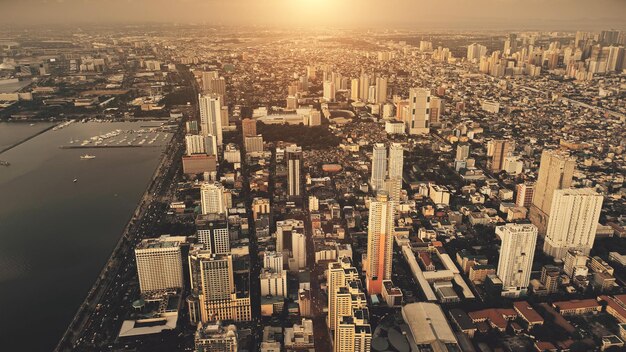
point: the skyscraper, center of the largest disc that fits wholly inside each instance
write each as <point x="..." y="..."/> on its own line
<point x="379" y="242"/>
<point x="329" y="91"/>
<point x="212" y="279"/>
<point x="210" y="116"/>
<point x="294" y="165"/>
<point x="381" y="89"/>
<point x="462" y="151"/>
<point x="419" y="111"/>
<point x="212" y="198"/>
<point x="573" y="221"/>
<point x="298" y="250"/>
<point x="475" y="52"/>
<point x="354" y="89"/>
<point x="248" y="127"/>
<point x="213" y="84"/>
<point x="500" y="150"/>
<point x="159" y="263"/>
<point x="393" y="183"/>
<point x="556" y="171"/>
<point x="396" y="160"/>
<point x="354" y="332"/>
<point x="516" y="257"/>
<point x="213" y="233"/>
<point x="339" y="274"/>
<point x="379" y="166"/>
<point x="364" y="86"/>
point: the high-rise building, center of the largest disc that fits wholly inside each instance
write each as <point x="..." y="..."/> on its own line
<point x="525" y="193"/>
<point x="273" y="260"/>
<point x="159" y="263"/>
<point x="339" y="274"/>
<point x="516" y="257"/>
<point x="354" y="89"/>
<point x="354" y="332"/>
<point x="213" y="281"/>
<point x="210" y="116"/>
<point x="371" y="95"/>
<point x="396" y="160"/>
<point x="462" y="151"/>
<point x="294" y="166"/>
<point x="298" y="250"/>
<point x="379" y="242"/>
<point x="213" y="84"/>
<point x="224" y="116"/>
<point x="310" y="72"/>
<point x="213" y="233"/>
<point x="475" y="52"/>
<point x="273" y="283"/>
<point x="436" y="108"/>
<point x="329" y="91"/>
<point x="573" y="221"/>
<point x="364" y="86"/>
<point x="500" y="150"/>
<point x="379" y="166"/>
<point x="419" y="111"/>
<point x="212" y="198"/>
<point x="381" y="90"/>
<point x="556" y="171"/>
<point x="248" y="127"/>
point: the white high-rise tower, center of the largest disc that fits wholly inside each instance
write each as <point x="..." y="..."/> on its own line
<point x="516" y="257"/>
<point x="212" y="198"/>
<point x="379" y="166"/>
<point x="211" y="116"/>
<point x="573" y="221"/>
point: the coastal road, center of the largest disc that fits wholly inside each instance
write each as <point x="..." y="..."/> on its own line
<point x="80" y="334"/>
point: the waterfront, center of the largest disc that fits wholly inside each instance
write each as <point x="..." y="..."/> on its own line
<point x="57" y="234"/>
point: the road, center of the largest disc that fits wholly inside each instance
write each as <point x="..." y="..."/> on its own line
<point x="86" y="332"/>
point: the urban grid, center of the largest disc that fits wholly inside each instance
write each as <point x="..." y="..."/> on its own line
<point x="344" y="190"/>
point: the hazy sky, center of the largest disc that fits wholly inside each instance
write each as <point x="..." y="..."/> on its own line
<point x="419" y="14"/>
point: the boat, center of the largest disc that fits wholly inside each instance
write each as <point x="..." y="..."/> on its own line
<point x="87" y="157"/>
<point x="75" y="180"/>
<point x="4" y="163"/>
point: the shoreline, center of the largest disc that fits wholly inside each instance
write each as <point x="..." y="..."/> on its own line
<point x="103" y="280"/>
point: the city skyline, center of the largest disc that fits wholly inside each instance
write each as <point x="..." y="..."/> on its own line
<point x="290" y="175"/>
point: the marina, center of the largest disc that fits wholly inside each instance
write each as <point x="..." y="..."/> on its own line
<point x="143" y="137"/>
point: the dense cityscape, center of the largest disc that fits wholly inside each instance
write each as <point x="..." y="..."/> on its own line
<point x="339" y="190"/>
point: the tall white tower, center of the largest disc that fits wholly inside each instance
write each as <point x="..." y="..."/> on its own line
<point x="573" y="221"/>
<point x="211" y="116"/>
<point x="212" y="198"/>
<point x="379" y="166"/>
<point x="396" y="160"/>
<point x="516" y="257"/>
<point x="159" y="263"/>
